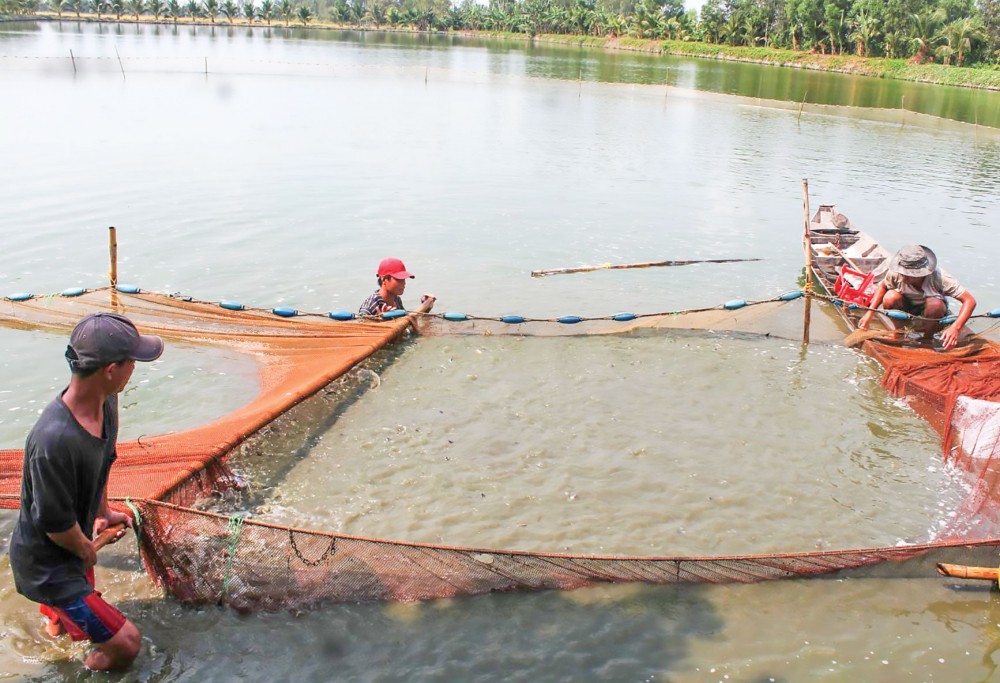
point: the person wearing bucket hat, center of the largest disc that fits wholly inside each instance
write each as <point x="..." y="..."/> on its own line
<point x="392" y="276"/>
<point x="64" y="502"/>
<point x="916" y="285"/>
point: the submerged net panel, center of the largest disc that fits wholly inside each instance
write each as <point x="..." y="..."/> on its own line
<point x="211" y="559"/>
<point x="296" y="357"/>
<point x="206" y="558"/>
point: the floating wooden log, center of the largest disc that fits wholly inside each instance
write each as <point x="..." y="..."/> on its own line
<point x="622" y="266"/>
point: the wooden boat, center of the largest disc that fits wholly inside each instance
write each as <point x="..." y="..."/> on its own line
<point x="847" y="265"/>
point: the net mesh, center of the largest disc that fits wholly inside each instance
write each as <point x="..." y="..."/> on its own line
<point x="203" y="557"/>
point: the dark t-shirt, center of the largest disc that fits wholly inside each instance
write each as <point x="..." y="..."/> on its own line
<point x="65" y="473"/>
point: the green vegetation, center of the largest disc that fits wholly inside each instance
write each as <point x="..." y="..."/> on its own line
<point x="925" y="40"/>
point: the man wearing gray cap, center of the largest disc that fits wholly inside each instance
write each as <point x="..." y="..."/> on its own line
<point x="64" y="502"/>
<point x="916" y="285"/>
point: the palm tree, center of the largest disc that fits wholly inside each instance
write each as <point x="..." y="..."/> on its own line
<point x="174" y="10"/>
<point x="249" y="10"/>
<point x="211" y="9"/>
<point x="101" y="7"/>
<point x="304" y="15"/>
<point x="58" y="6"/>
<point x="863" y="33"/>
<point x="961" y="34"/>
<point x="136" y="7"/>
<point x="76" y="6"/>
<point x="286" y="10"/>
<point x="376" y="13"/>
<point x="266" y="11"/>
<point x="229" y="10"/>
<point x="118" y="8"/>
<point x="193" y="9"/>
<point x="926" y="33"/>
<point x="155" y="7"/>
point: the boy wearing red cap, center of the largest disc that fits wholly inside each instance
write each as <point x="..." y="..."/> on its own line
<point x="392" y="276"/>
<point x="64" y="501"/>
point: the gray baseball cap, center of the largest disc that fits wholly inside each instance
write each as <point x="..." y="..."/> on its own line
<point x="104" y="338"/>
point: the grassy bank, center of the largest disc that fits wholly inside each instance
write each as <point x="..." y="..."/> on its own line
<point x="877" y="67"/>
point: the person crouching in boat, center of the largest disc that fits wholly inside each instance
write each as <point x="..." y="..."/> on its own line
<point x="392" y="276"/>
<point x="916" y="285"/>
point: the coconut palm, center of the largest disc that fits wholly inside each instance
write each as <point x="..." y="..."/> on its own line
<point x="211" y="9"/>
<point x="173" y="10"/>
<point x="117" y="8"/>
<point x="304" y="15"/>
<point x="230" y="10"/>
<point x="58" y="6"/>
<point x="75" y="6"/>
<point x="375" y="14"/>
<point x="192" y="8"/>
<point x="266" y="11"/>
<point x="286" y="10"/>
<point x="926" y="33"/>
<point x="961" y="34"/>
<point x="156" y="8"/>
<point x="249" y="10"/>
<point x="136" y="7"/>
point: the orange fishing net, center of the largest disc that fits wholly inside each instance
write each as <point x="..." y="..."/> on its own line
<point x="209" y="558"/>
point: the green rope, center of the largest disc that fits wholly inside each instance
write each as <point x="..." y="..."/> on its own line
<point x="234" y="529"/>
<point x="136" y="525"/>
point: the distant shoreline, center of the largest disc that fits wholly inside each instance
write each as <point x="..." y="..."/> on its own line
<point x="875" y="67"/>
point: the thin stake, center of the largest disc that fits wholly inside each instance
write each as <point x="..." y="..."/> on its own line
<point x="807" y="243"/>
<point x="206" y="65"/>
<point x="801" y="104"/>
<point x="120" y="62"/>
<point x="426" y="69"/>
<point x="113" y="271"/>
<point x="113" y="251"/>
<point x="579" y="93"/>
<point x="648" y="264"/>
<point x="73" y="59"/>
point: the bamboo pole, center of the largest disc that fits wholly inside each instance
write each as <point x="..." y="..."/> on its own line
<point x="807" y="244"/>
<point x="113" y="270"/>
<point x="623" y="266"/>
<point x="960" y="571"/>
<point x="113" y="249"/>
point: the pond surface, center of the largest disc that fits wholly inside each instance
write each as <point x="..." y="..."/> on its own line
<point x="300" y="159"/>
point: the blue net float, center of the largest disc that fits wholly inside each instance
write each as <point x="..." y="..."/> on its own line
<point x="232" y="305"/>
<point x="624" y="317"/>
<point x="128" y="289"/>
<point x="20" y="296"/>
<point x="73" y="291"/>
<point x="896" y="314"/>
<point x="341" y="315"/>
<point x="791" y="296"/>
<point x="455" y="317"/>
<point x="512" y="319"/>
<point x="392" y="315"/>
<point x="734" y="304"/>
<point x="285" y="311"/>
<point x="569" y="319"/>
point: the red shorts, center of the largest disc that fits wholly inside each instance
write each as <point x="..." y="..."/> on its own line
<point x="88" y="618"/>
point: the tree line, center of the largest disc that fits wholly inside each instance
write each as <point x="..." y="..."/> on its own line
<point x="959" y="32"/>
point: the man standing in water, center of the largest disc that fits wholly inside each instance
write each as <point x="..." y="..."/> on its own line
<point x="392" y="276"/>
<point x="915" y="284"/>
<point x="64" y="501"/>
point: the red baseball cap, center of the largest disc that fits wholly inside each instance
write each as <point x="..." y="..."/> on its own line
<point x="394" y="267"/>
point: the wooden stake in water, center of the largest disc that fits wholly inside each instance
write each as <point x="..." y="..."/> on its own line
<point x="113" y="250"/>
<point x="73" y="59"/>
<point x="122" y="66"/>
<point x="806" y="242"/>
<point x="113" y="271"/>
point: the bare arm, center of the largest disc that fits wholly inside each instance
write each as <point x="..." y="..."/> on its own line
<point x="426" y="303"/>
<point x="75" y="542"/>
<point x="949" y="337"/>
<point x="874" y="304"/>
